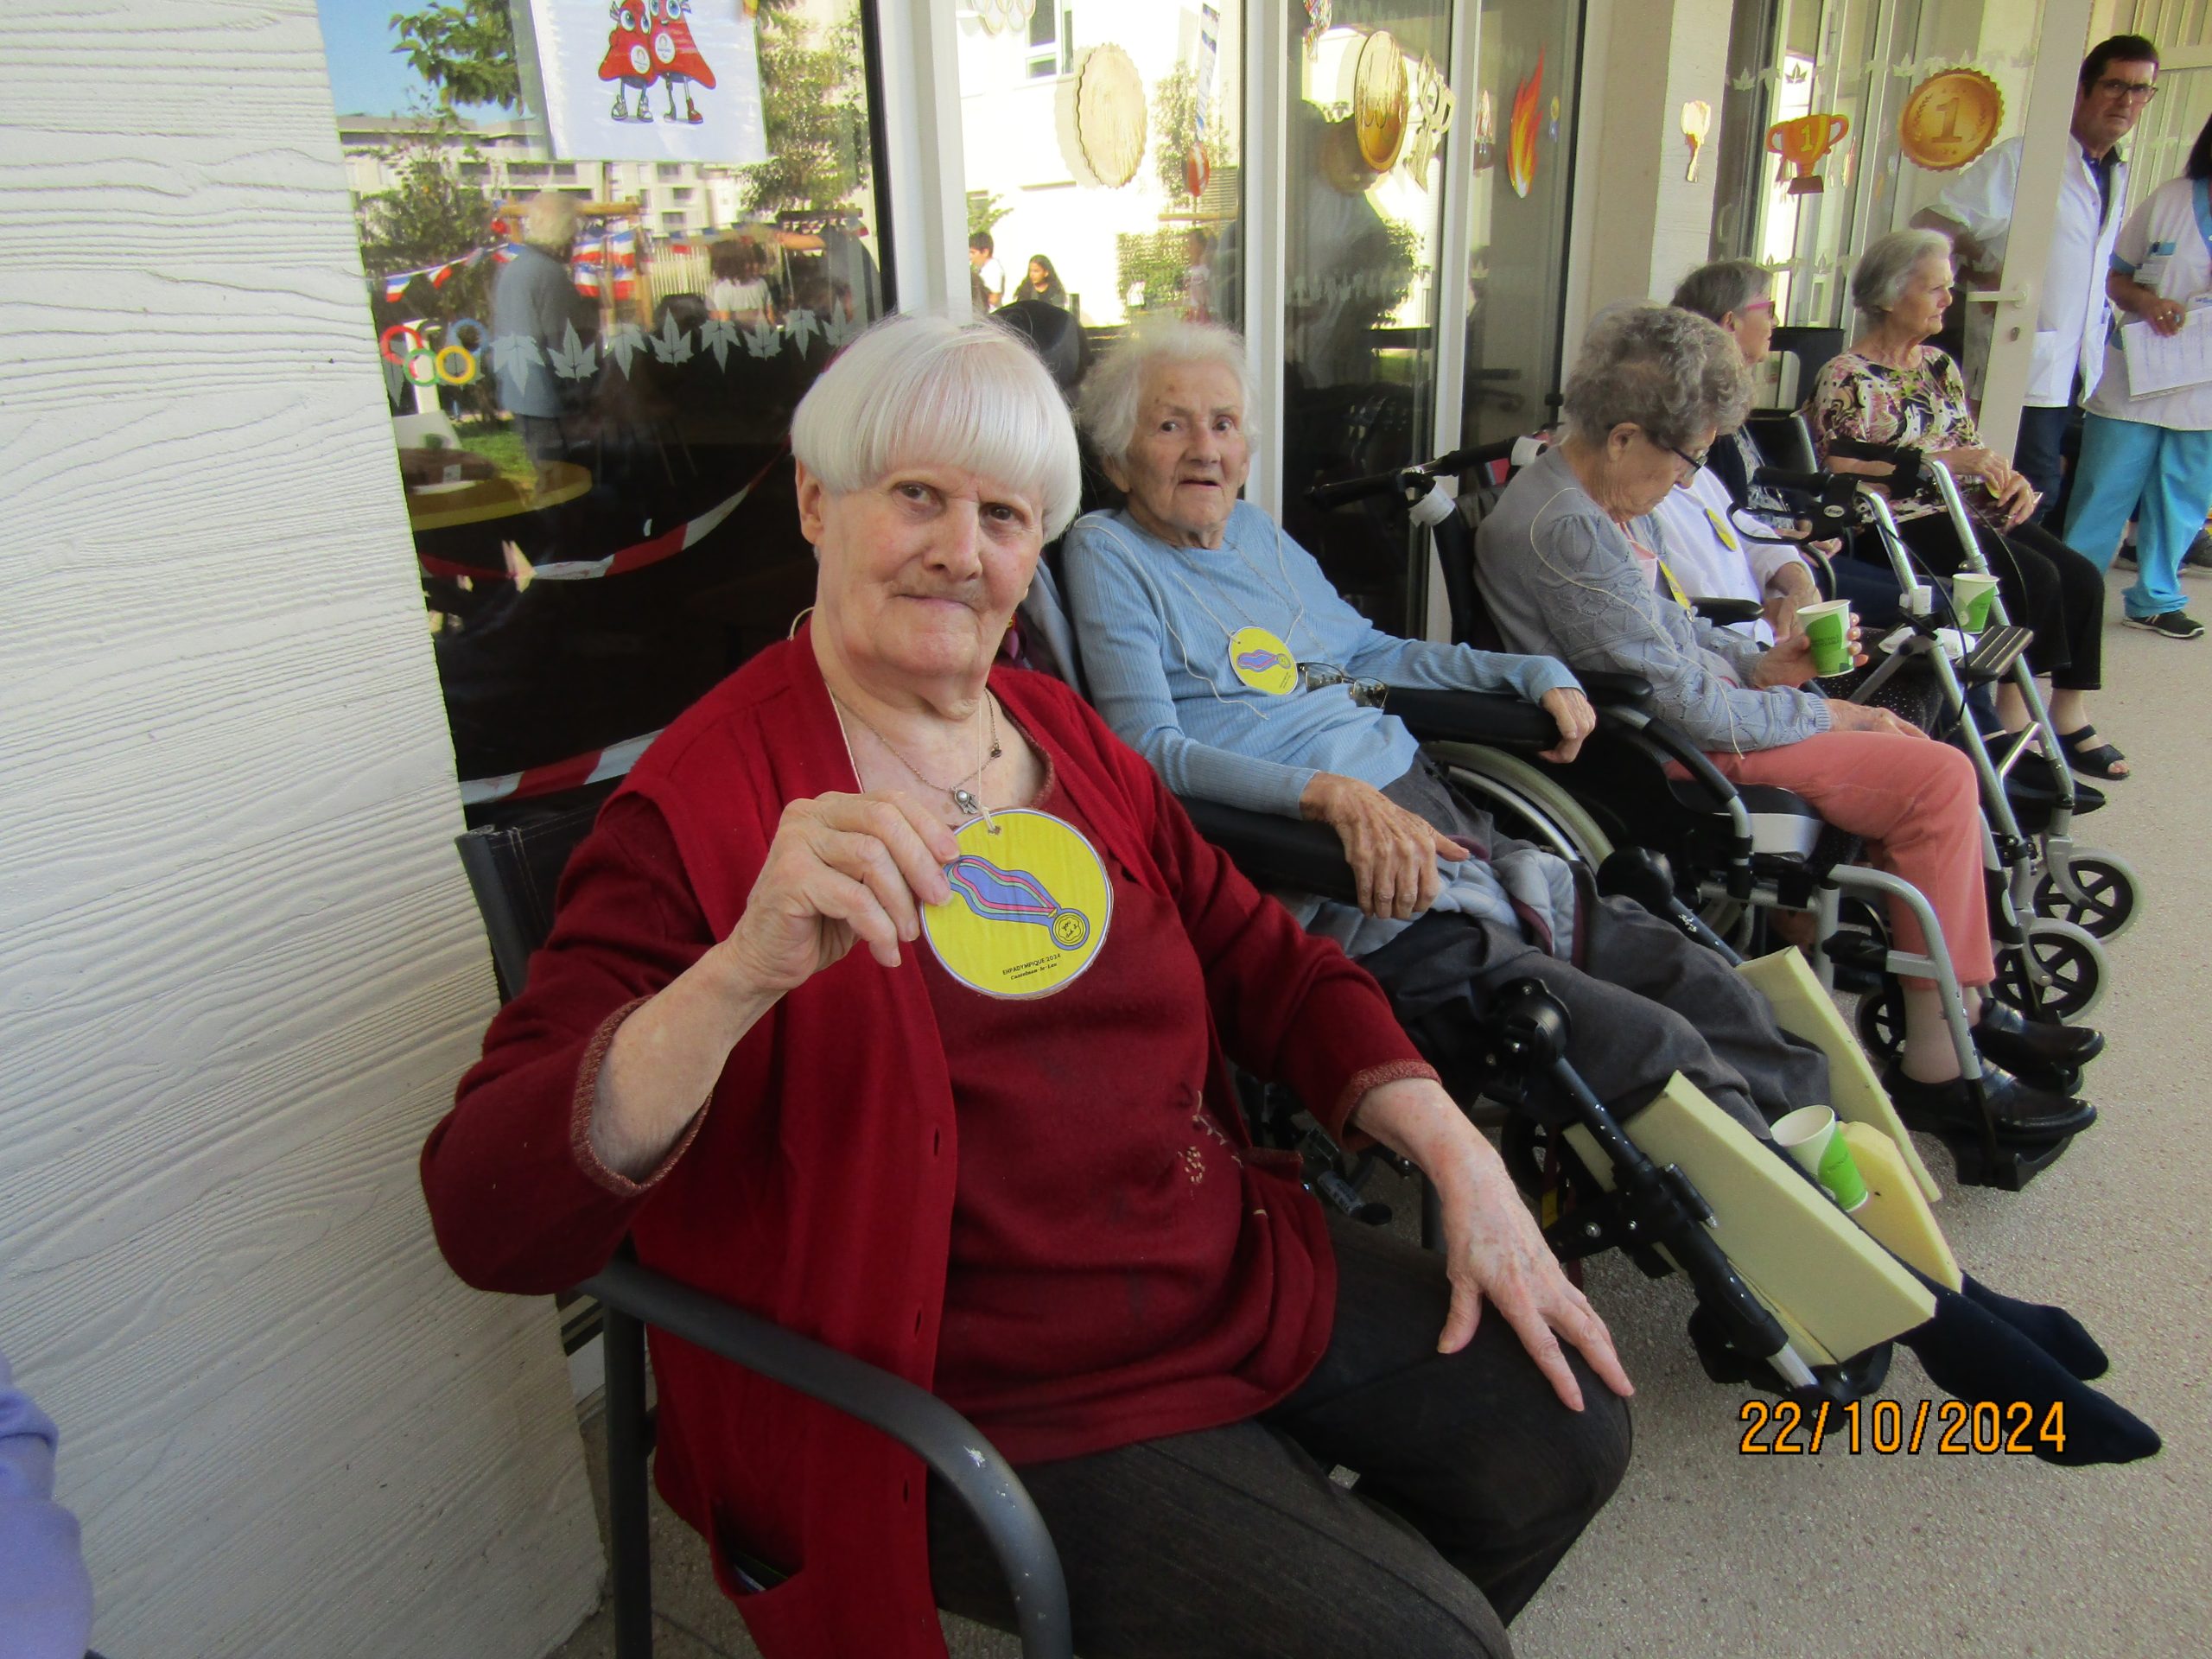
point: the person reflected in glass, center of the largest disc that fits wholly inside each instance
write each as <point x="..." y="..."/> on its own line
<point x="535" y="299"/>
<point x="1044" y="283"/>
<point x="1197" y="276"/>
<point x="738" y="292"/>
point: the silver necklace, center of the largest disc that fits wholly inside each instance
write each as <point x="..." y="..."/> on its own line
<point x="969" y="806"/>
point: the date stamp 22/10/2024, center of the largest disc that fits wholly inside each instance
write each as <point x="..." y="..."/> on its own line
<point x="1886" y="1427"/>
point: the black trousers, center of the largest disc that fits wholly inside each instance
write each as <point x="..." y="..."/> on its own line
<point x="1233" y="1542"/>
<point x="2047" y="587"/>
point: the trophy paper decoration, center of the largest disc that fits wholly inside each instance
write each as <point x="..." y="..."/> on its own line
<point x="1521" y="130"/>
<point x="1801" y="143"/>
<point x="1697" y="122"/>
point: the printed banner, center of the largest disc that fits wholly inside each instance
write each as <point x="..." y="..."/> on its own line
<point x="650" y="80"/>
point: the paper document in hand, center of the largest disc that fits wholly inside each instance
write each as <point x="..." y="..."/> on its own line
<point x="2159" y="362"/>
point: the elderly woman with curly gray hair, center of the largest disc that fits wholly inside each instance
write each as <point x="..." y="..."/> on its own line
<point x="1891" y="391"/>
<point x="1567" y="566"/>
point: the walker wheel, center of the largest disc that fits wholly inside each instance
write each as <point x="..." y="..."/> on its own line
<point x="2111" y="895"/>
<point x="2072" y="957"/>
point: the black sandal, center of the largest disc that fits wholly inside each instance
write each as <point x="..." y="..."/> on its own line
<point x="2086" y="755"/>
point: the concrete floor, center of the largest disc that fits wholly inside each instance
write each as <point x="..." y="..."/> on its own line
<point x="1708" y="1554"/>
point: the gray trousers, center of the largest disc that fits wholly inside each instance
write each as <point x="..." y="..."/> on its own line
<point x="1643" y="1001"/>
<point x="1233" y="1542"/>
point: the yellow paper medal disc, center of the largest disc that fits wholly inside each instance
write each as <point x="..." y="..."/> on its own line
<point x="1029" y="909"/>
<point x="1950" y="118"/>
<point x="1262" y="662"/>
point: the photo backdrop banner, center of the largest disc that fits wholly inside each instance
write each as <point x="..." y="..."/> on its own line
<point x="650" y="80"/>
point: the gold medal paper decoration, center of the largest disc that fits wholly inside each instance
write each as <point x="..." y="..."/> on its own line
<point x="1109" y="115"/>
<point x="1262" y="662"/>
<point x="1951" y="117"/>
<point x="1378" y="100"/>
<point x="1029" y="909"/>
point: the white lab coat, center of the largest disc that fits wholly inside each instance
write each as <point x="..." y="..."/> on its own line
<point x="2070" y="330"/>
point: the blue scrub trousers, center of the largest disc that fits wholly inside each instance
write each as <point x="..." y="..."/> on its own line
<point x="2169" y="472"/>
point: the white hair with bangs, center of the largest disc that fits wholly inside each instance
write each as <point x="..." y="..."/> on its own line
<point x="915" y="391"/>
<point x="1106" y="406"/>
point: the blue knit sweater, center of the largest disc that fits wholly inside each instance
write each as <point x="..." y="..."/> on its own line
<point x="1155" y="622"/>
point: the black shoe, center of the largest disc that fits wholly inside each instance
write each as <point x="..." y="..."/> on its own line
<point x="2173" y="624"/>
<point x="2008" y="1037"/>
<point x="2018" y="1110"/>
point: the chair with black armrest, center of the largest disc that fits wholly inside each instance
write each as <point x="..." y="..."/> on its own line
<point x="515" y="871"/>
<point x="1806" y="351"/>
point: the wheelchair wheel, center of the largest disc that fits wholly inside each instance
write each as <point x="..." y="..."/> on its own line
<point x="2074" y="960"/>
<point x="2111" y="895"/>
<point x="1881" y="1023"/>
<point x="1527" y="805"/>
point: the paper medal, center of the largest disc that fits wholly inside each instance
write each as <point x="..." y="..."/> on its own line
<point x="1378" y="100"/>
<point x="1030" y="905"/>
<point x="1262" y="662"/>
<point x="1949" y="119"/>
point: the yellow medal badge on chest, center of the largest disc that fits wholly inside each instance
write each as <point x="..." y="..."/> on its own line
<point x="1727" y="536"/>
<point x="1262" y="662"/>
<point x="1030" y="905"/>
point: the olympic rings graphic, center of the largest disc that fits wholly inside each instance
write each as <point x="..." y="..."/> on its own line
<point x="451" y="364"/>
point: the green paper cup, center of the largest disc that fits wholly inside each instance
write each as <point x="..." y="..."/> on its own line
<point x="1828" y="625"/>
<point x="1970" y="595"/>
<point x="1814" y="1142"/>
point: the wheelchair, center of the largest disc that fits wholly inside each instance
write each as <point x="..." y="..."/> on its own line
<point x="1737" y="851"/>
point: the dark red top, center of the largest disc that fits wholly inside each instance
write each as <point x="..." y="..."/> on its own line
<point x="1118" y="1271"/>
<point x="818" y="1183"/>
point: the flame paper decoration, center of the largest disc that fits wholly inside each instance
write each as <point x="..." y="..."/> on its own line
<point x="1521" y="131"/>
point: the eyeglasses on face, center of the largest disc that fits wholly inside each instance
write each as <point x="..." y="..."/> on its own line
<point x="1693" y="462"/>
<point x="2139" y="92"/>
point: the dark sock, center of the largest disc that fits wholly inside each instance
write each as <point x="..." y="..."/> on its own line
<point x="2055" y="1330"/>
<point x="1970" y="1352"/>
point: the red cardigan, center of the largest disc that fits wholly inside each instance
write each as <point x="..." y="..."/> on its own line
<point x="817" y="1187"/>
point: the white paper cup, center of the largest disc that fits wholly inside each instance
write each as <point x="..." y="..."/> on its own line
<point x="1809" y="1135"/>
<point x="1970" y="595"/>
<point x="1828" y="625"/>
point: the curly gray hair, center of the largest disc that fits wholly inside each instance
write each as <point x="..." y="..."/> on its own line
<point x="1669" y="372"/>
<point x="1106" y="408"/>
<point x="1879" y="277"/>
<point x="1724" y="286"/>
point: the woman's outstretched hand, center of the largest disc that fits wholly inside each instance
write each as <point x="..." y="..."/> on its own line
<point x="1865" y="717"/>
<point x="1393" y="852"/>
<point x="842" y="869"/>
<point x="1493" y="1251"/>
<point x="1789" y="660"/>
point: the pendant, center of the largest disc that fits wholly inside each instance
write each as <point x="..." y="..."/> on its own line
<point x="1030" y="906"/>
<point x="967" y="804"/>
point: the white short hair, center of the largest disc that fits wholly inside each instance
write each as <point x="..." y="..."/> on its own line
<point x="922" y="390"/>
<point x="1106" y="406"/>
<point x="1878" y="281"/>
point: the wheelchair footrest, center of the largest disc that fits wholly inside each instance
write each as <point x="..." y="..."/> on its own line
<point x="2013" y="1166"/>
<point x="1855" y="1378"/>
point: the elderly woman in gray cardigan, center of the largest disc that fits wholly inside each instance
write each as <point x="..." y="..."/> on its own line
<point x="1567" y="566"/>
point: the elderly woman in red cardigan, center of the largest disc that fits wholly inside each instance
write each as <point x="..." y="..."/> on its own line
<point x="893" y="997"/>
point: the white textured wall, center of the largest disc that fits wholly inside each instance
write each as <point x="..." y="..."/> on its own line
<point x="238" y="968"/>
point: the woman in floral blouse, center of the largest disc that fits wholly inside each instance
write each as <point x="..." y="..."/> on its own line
<point x="1891" y="391"/>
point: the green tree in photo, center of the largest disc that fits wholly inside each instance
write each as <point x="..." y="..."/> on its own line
<point x="464" y="50"/>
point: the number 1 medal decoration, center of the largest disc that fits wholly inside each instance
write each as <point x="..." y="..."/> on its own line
<point x="1030" y="905"/>
<point x="1262" y="662"/>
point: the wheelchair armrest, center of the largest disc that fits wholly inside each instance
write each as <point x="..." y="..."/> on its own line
<point x="1723" y="612"/>
<point x="1609" y="689"/>
<point x="1471" y="717"/>
<point x="917" y="1418"/>
<point x="1274" y="851"/>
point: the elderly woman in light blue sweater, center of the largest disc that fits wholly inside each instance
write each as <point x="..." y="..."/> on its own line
<point x="1566" y="564"/>
<point x="1191" y="608"/>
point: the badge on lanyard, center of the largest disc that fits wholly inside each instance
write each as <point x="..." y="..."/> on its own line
<point x="1030" y="905"/>
<point x="1262" y="662"/>
<point x="1728" y="540"/>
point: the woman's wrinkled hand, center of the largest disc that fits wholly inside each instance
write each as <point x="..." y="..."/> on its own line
<point x="2015" y="501"/>
<point x="1393" y="852"/>
<point x="1788" y="661"/>
<point x="1863" y="717"/>
<point x="1575" y="718"/>
<point x="1493" y="1251"/>
<point x="842" y="869"/>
